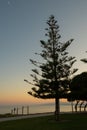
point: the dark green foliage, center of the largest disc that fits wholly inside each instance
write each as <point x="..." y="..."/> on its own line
<point x="50" y="76"/>
<point x="78" y="87"/>
<point x="57" y="65"/>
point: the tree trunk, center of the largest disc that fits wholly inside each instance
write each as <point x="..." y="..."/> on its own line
<point x="57" y="109"/>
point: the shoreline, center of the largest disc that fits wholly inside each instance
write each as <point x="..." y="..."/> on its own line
<point x="7" y="115"/>
<point x="18" y="117"/>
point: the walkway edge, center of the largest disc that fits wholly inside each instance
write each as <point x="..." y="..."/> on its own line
<point x="24" y="117"/>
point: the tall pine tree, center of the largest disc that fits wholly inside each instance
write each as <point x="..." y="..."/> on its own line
<point x="50" y="77"/>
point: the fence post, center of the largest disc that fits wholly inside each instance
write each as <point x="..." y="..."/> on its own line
<point x="17" y="110"/>
<point x="27" y="110"/>
<point x="22" y="110"/>
<point x="14" y="110"/>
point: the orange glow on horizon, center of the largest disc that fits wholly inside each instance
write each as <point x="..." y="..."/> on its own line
<point x="27" y="100"/>
<point x="63" y="100"/>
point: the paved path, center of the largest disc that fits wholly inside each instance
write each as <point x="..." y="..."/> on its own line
<point x="24" y="117"/>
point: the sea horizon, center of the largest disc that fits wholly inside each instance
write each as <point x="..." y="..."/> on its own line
<point x="34" y="108"/>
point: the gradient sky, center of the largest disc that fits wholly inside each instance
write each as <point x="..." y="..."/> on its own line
<point x="22" y="26"/>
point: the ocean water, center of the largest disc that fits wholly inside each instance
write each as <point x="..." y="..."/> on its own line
<point x="34" y="108"/>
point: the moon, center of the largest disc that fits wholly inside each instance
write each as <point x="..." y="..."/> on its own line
<point x="8" y="2"/>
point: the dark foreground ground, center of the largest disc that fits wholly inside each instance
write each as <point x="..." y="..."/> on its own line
<point x="67" y="122"/>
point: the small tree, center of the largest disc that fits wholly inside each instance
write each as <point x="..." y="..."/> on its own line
<point x="78" y="87"/>
<point x="51" y="76"/>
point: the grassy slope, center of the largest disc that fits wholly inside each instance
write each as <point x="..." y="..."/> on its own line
<point x="68" y="122"/>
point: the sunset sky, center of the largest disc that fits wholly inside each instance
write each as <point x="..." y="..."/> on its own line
<point x="22" y="26"/>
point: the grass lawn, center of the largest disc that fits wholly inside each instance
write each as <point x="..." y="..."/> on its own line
<point x="68" y="122"/>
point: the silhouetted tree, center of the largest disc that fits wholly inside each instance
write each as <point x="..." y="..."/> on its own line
<point x="51" y="76"/>
<point x="78" y="87"/>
